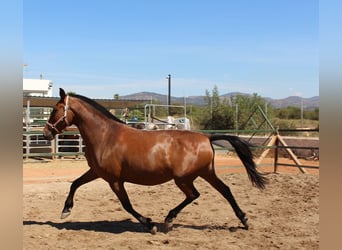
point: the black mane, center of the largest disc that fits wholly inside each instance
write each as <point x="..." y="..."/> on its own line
<point x="97" y="106"/>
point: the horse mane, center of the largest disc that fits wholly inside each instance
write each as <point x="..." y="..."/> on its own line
<point x="97" y="106"/>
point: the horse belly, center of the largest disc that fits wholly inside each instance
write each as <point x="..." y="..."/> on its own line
<point x="172" y="156"/>
<point x="146" y="177"/>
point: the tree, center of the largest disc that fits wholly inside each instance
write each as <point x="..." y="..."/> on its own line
<point x="116" y="97"/>
<point x="218" y="114"/>
<point x="289" y="112"/>
<point x="245" y="106"/>
<point x="312" y="114"/>
<point x="222" y="113"/>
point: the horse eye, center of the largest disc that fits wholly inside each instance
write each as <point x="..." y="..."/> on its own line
<point x="54" y="110"/>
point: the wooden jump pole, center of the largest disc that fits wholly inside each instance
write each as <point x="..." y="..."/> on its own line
<point x="269" y="145"/>
<point x="276" y="138"/>
<point x="292" y="155"/>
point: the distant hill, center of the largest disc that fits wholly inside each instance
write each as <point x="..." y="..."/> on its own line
<point x="308" y="103"/>
<point x="296" y="101"/>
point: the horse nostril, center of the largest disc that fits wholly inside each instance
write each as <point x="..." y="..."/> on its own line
<point x="48" y="135"/>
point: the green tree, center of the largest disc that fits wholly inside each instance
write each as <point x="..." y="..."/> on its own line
<point x="245" y="106"/>
<point x="289" y="112"/>
<point x="222" y="113"/>
<point x="312" y="114"/>
<point x="218" y="114"/>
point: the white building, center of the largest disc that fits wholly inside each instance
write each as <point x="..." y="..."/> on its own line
<point x="37" y="87"/>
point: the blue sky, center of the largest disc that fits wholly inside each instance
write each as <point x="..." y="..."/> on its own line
<point x="101" y="48"/>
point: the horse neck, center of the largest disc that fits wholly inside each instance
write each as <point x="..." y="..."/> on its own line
<point x="90" y="121"/>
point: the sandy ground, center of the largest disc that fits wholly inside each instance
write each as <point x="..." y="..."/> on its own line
<point x="283" y="216"/>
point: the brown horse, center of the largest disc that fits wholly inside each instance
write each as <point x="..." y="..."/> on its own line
<point x="118" y="153"/>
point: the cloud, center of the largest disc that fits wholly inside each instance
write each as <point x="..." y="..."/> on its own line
<point x="294" y="92"/>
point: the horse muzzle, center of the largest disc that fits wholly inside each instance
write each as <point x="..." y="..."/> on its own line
<point x="48" y="135"/>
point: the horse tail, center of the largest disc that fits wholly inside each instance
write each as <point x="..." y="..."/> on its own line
<point x="245" y="154"/>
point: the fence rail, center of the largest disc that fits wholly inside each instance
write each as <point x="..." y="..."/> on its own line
<point x="279" y="143"/>
<point x="69" y="143"/>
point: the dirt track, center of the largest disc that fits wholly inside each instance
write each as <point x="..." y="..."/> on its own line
<point x="284" y="216"/>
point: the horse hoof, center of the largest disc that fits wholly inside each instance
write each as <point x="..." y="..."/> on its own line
<point x="154" y="230"/>
<point x="245" y="224"/>
<point x="168" y="226"/>
<point x="65" y="214"/>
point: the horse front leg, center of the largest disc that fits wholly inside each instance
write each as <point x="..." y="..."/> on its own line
<point x="121" y="193"/>
<point x="69" y="202"/>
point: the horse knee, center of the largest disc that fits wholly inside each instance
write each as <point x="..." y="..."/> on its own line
<point x="196" y="195"/>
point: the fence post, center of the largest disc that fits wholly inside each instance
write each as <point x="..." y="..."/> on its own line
<point x="79" y="147"/>
<point x="276" y="151"/>
<point x="27" y="139"/>
<point x="54" y="146"/>
<point x="269" y="145"/>
<point x="292" y="155"/>
<point x="81" y="144"/>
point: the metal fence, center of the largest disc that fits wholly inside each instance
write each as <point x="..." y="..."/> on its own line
<point x="295" y="144"/>
<point x="69" y="143"/>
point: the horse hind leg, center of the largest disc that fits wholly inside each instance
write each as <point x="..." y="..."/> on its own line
<point x="191" y="194"/>
<point x="227" y="194"/>
<point x="69" y="202"/>
<point x="121" y="193"/>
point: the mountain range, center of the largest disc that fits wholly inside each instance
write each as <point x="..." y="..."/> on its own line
<point x="297" y="101"/>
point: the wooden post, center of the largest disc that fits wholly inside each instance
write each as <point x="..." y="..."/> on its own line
<point x="270" y="144"/>
<point x="292" y="155"/>
<point x="276" y="155"/>
<point x="275" y="140"/>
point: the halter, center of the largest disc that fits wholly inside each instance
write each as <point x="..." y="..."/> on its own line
<point x="63" y="118"/>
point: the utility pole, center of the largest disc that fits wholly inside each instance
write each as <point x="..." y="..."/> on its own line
<point x="301" y="112"/>
<point x="169" y="95"/>
<point x="236" y="118"/>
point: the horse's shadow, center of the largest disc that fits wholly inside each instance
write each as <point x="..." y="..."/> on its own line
<point x="118" y="227"/>
<point x="115" y="227"/>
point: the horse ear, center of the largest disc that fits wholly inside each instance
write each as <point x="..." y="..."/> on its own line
<point x="61" y="93"/>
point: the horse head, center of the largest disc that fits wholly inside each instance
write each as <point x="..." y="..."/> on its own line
<point x="60" y="117"/>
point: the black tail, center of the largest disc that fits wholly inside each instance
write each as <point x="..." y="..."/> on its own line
<point x="245" y="154"/>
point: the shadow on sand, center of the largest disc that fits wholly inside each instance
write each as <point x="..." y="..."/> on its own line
<point x="123" y="226"/>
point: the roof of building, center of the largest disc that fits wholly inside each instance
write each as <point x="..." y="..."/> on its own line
<point x="37" y="101"/>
